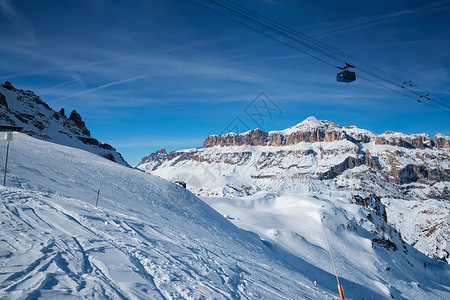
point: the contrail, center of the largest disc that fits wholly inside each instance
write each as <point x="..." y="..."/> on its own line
<point x="98" y="88"/>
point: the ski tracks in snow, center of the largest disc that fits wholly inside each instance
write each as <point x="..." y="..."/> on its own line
<point x="110" y="255"/>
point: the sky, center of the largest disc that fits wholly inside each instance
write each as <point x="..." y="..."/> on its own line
<point x="151" y="74"/>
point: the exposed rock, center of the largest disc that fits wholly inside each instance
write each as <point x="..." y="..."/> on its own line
<point x="95" y="142"/>
<point x="259" y="137"/>
<point x="349" y="163"/>
<point x="370" y="161"/>
<point x="155" y="159"/>
<point x="25" y="109"/>
<point x="418" y="141"/>
<point x="109" y="156"/>
<point x="410" y="173"/>
<point x="7" y="85"/>
<point x="88" y="140"/>
<point x="3" y="100"/>
<point x="441" y="141"/>
<point x="76" y="119"/>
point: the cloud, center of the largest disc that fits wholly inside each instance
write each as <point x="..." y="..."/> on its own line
<point x="98" y="88"/>
<point x="8" y="10"/>
<point x="364" y="22"/>
<point x="21" y="24"/>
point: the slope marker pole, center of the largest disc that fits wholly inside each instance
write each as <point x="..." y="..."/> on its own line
<point x="6" y="163"/>
<point x="98" y="195"/>
<point x="341" y="290"/>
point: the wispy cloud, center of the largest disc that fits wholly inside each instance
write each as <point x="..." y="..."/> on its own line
<point x="103" y="86"/>
<point x="21" y="23"/>
<point x="368" y="21"/>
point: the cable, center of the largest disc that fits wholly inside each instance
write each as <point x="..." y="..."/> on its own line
<point x="276" y="28"/>
<point x="264" y="33"/>
<point x="283" y="27"/>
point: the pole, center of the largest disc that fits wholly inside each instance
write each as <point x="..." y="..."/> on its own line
<point x="341" y="291"/>
<point x="98" y="194"/>
<point x="6" y="163"/>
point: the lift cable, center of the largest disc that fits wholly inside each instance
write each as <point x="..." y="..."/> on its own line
<point x="265" y="33"/>
<point x="367" y="67"/>
<point x="279" y="29"/>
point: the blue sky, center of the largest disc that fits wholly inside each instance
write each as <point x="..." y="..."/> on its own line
<point x="151" y="74"/>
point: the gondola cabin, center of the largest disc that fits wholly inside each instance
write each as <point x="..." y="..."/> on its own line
<point x="346" y="76"/>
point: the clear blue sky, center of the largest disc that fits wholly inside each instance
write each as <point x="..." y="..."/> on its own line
<point x="151" y="74"/>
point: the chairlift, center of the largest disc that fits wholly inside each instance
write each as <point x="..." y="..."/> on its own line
<point x="346" y="75"/>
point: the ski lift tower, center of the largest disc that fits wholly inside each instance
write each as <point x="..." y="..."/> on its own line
<point x="8" y="129"/>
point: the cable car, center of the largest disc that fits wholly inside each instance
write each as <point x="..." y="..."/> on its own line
<point x="346" y="75"/>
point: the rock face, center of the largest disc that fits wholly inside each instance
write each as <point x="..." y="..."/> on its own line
<point x="311" y="130"/>
<point x="321" y="150"/>
<point x="76" y="118"/>
<point x="27" y="110"/>
<point x="441" y="141"/>
<point x="3" y="100"/>
<point x="414" y="141"/>
<point x="154" y="160"/>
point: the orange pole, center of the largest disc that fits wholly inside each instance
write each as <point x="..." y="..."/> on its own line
<point x="341" y="291"/>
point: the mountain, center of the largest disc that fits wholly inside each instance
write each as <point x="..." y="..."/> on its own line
<point x="25" y="109"/>
<point x="411" y="173"/>
<point x="151" y="239"/>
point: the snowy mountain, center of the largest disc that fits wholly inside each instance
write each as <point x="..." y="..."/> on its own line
<point x="152" y="239"/>
<point x="411" y="173"/>
<point x="25" y="109"/>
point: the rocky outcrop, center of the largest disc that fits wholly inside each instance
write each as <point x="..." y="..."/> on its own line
<point x="25" y="109"/>
<point x="76" y="119"/>
<point x="155" y="159"/>
<point x="336" y="170"/>
<point x="441" y="141"/>
<point x="259" y="137"/>
<point x="7" y="85"/>
<point x="414" y="141"/>
<point x="3" y="100"/>
<point x="409" y="173"/>
<point x="411" y="161"/>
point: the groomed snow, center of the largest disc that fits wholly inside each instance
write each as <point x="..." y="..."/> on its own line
<point x="147" y="239"/>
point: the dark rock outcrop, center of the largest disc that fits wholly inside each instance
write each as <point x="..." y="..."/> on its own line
<point x="76" y="119"/>
<point x="3" y="101"/>
<point x="25" y="109"/>
<point x="410" y="173"/>
<point x="7" y="85"/>
<point x="349" y="163"/>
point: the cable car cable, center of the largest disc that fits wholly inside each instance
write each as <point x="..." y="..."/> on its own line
<point x="264" y="33"/>
<point x="274" y="30"/>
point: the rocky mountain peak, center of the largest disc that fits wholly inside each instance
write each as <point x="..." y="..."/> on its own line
<point x="313" y="122"/>
<point x="25" y="109"/>
<point x="76" y="118"/>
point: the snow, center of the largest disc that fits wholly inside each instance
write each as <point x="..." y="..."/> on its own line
<point x="27" y="110"/>
<point x="293" y="223"/>
<point x="147" y="239"/>
<point x="152" y="239"/>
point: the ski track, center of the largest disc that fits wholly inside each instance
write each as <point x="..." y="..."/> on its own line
<point x="61" y="263"/>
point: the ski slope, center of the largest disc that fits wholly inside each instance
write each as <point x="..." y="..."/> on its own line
<point x="147" y="239"/>
<point x="293" y="223"/>
<point x="151" y="239"/>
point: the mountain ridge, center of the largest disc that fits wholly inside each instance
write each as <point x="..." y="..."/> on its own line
<point x="321" y="156"/>
<point x="25" y="109"/>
